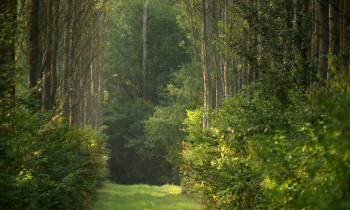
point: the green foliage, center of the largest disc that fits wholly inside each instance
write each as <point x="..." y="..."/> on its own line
<point x="164" y="134"/>
<point x="129" y="162"/>
<point x="334" y="138"/>
<point x="260" y="152"/>
<point x="186" y="86"/>
<point x="164" y="130"/>
<point x="124" y="46"/>
<point x="46" y="165"/>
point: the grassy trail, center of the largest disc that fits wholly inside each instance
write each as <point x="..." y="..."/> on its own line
<point x="134" y="197"/>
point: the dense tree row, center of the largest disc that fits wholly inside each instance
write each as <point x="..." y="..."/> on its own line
<point x="51" y="96"/>
<point x="64" y="52"/>
<point x="301" y="42"/>
<point x="272" y="130"/>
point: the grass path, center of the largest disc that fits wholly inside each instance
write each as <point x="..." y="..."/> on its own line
<point x="134" y="197"/>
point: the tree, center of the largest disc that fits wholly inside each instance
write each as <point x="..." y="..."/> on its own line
<point x="345" y="35"/>
<point x="50" y="55"/>
<point x="144" y="52"/>
<point x="323" y="24"/>
<point x="33" y="36"/>
<point x="82" y="73"/>
<point x="334" y="39"/>
<point x="206" y="63"/>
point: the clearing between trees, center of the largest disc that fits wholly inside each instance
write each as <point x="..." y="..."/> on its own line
<point x="114" y="196"/>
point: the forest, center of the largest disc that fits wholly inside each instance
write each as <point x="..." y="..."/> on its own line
<point x="243" y="103"/>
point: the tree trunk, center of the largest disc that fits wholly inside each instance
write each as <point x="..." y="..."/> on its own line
<point x="101" y="71"/>
<point x="206" y="64"/>
<point x="304" y="79"/>
<point x="46" y="99"/>
<point x="196" y="52"/>
<point x="226" y="56"/>
<point x="250" y="35"/>
<point x="54" y="51"/>
<point x="260" y="5"/>
<point x="345" y="36"/>
<point x="144" y="52"/>
<point x="89" y="89"/>
<point x="288" y="53"/>
<point x="66" y="68"/>
<point x="314" y="45"/>
<point x="334" y="37"/>
<point x="218" y="80"/>
<point x="323" y="40"/>
<point x="75" y="72"/>
<point x="245" y="70"/>
<point x="297" y="29"/>
<point x="32" y="39"/>
<point x="236" y="85"/>
<point x="216" y="54"/>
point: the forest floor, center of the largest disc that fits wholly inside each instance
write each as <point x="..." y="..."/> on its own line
<point x="134" y="197"/>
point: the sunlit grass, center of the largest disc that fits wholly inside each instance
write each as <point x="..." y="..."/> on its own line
<point x="133" y="197"/>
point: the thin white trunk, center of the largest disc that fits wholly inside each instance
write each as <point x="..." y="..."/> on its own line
<point x="205" y="64"/>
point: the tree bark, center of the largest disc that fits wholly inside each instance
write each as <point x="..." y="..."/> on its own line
<point x="226" y="57"/>
<point x="345" y="36"/>
<point x="32" y="39"/>
<point x="219" y="80"/>
<point x="101" y="70"/>
<point x="323" y="40"/>
<point x="314" y="45"/>
<point x="144" y="52"/>
<point x="196" y="52"/>
<point x="334" y="37"/>
<point x="288" y="53"/>
<point x="259" y="50"/>
<point x="65" y="75"/>
<point x="46" y="98"/>
<point x="54" y="51"/>
<point x="206" y="64"/>
<point x="75" y="71"/>
<point x="245" y="70"/>
<point x="236" y="84"/>
<point x="297" y="29"/>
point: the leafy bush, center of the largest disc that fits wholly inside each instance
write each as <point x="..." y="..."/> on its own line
<point x="262" y="152"/>
<point x="44" y="164"/>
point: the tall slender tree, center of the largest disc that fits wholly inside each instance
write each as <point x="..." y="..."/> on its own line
<point x="345" y="34"/>
<point x="206" y="63"/>
<point x="323" y="22"/>
<point x="144" y="49"/>
<point x="33" y="34"/>
<point x="334" y="36"/>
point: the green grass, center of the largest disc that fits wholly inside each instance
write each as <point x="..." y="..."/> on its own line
<point x="132" y="197"/>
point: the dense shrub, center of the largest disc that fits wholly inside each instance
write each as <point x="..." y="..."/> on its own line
<point x="263" y="152"/>
<point x="47" y="165"/>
